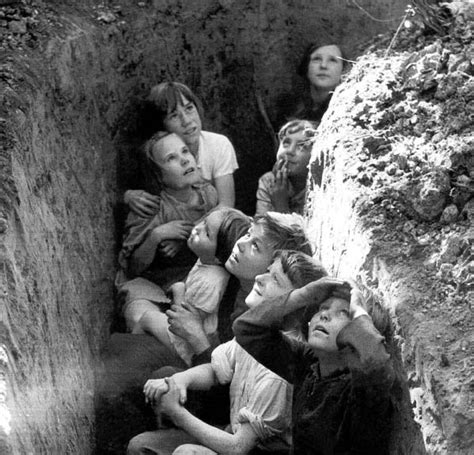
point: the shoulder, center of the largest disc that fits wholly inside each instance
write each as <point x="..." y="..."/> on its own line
<point x="210" y="139"/>
<point x="267" y="178"/>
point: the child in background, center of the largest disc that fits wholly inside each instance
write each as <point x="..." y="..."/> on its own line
<point x="284" y="188"/>
<point x="260" y="415"/>
<point x="342" y="375"/>
<point x="212" y="240"/>
<point x="148" y="266"/>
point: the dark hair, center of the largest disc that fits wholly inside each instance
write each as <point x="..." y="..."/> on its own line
<point x="233" y="226"/>
<point x="164" y="98"/>
<point x="150" y="168"/>
<point x="300" y="268"/>
<point x="304" y="63"/>
<point x="285" y="231"/>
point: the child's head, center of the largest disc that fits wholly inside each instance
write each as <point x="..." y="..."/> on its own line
<point x="322" y="327"/>
<point x="169" y="163"/>
<point x="215" y="235"/>
<point x="295" y="146"/>
<point x="322" y="65"/>
<point x="289" y="270"/>
<point x="176" y="109"/>
<point x="253" y="253"/>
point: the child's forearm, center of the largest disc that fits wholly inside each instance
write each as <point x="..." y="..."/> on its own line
<point x="214" y="438"/>
<point x="201" y="377"/>
<point x="143" y="256"/>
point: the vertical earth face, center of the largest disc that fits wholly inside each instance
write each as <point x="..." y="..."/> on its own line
<point x="73" y="80"/>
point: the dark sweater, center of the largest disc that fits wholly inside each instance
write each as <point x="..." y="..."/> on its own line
<point x="348" y="412"/>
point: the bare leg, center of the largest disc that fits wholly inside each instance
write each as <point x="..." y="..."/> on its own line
<point x="134" y="311"/>
<point x="154" y="322"/>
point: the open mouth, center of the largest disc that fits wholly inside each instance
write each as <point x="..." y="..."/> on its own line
<point x="190" y="131"/>
<point x="189" y="171"/>
<point x="320" y="328"/>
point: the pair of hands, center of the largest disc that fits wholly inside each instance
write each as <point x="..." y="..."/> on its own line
<point x="167" y="395"/>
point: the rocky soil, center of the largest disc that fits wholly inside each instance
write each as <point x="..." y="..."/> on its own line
<point x="398" y="139"/>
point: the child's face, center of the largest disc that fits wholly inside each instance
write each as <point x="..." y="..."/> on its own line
<point x="184" y="121"/>
<point x="203" y="238"/>
<point x="269" y="285"/>
<point x="177" y="164"/>
<point x="325" y="67"/>
<point x="251" y="256"/>
<point x="325" y="325"/>
<point x="295" y="150"/>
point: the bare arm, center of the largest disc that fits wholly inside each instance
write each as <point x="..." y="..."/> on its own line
<point x="216" y="439"/>
<point x="225" y="188"/>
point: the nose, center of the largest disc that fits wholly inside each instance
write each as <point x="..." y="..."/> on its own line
<point x="324" y="316"/>
<point x="184" y="160"/>
<point x="323" y="63"/>
<point x="185" y="118"/>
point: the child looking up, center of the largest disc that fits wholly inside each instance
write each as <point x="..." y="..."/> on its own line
<point x="212" y="240"/>
<point x="284" y="188"/>
<point x="148" y="265"/>
<point x="260" y="412"/>
<point x="342" y="375"/>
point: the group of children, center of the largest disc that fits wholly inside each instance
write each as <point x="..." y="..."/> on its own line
<point x="307" y="370"/>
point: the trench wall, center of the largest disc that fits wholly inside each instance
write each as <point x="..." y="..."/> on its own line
<point x="70" y="125"/>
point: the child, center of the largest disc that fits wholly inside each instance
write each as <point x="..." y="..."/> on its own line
<point x="146" y="262"/>
<point x="342" y="375"/>
<point x="260" y="412"/>
<point x="284" y="188"/>
<point x="212" y="240"/>
<point x="175" y="108"/>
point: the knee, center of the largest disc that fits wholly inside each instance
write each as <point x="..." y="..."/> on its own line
<point x="138" y="444"/>
<point x="186" y="449"/>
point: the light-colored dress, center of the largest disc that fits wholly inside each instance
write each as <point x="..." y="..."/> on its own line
<point x="205" y="287"/>
<point x="258" y="396"/>
<point x="264" y="200"/>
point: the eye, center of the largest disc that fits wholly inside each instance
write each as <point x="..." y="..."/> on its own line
<point x="255" y="246"/>
<point x="172" y="115"/>
<point x="190" y="108"/>
<point x="345" y="313"/>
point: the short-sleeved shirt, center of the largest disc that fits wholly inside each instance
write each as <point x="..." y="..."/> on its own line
<point x="264" y="200"/>
<point x="216" y="156"/>
<point x="258" y="396"/>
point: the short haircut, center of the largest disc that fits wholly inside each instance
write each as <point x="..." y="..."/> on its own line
<point x="164" y="98"/>
<point x="285" y="231"/>
<point x="300" y="268"/>
<point x="297" y="125"/>
<point x="150" y="168"/>
<point x="304" y="63"/>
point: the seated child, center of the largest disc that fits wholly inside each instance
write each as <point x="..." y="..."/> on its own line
<point x="148" y="265"/>
<point x="212" y="240"/>
<point x="342" y="375"/>
<point x="260" y="412"/>
<point x="284" y="188"/>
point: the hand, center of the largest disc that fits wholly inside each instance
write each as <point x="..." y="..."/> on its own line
<point x="169" y="248"/>
<point x="280" y="191"/>
<point x="356" y="307"/>
<point x="154" y="389"/>
<point x="177" y="230"/>
<point x="142" y="203"/>
<point x="185" y="321"/>
<point x="171" y="401"/>
<point x="313" y="294"/>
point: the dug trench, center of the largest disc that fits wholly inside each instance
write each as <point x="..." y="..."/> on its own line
<point x="394" y="208"/>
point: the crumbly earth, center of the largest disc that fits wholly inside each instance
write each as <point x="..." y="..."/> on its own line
<point x="397" y="204"/>
<point x="396" y="198"/>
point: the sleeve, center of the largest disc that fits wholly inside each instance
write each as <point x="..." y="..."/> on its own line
<point x="258" y="331"/>
<point x="264" y="201"/>
<point x="269" y="409"/>
<point x="223" y="362"/>
<point x="205" y="356"/>
<point x="226" y="161"/>
<point x="372" y="377"/>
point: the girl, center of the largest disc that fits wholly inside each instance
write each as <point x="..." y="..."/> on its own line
<point x="284" y="188"/>
<point x="145" y="265"/>
<point x="176" y="109"/>
<point x="212" y="240"/>
<point x="321" y="68"/>
<point x="260" y="413"/>
<point x="342" y="375"/>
